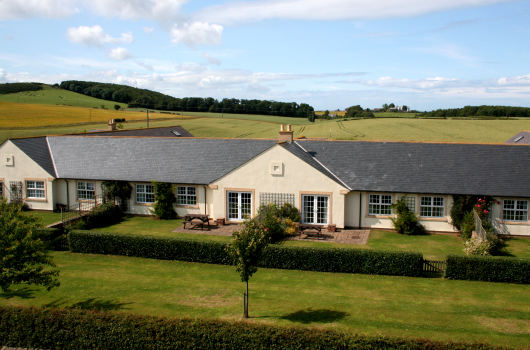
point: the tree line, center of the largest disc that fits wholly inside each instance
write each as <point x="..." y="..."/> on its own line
<point x="11" y="88"/>
<point x="142" y="98"/>
<point x="476" y="111"/>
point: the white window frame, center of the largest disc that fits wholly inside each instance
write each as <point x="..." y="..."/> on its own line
<point x="242" y="209"/>
<point x="313" y="210"/>
<point x="84" y="192"/>
<point x="428" y="210"/>
<point x="34" y="189"/>
<point x="187" y="195"/>
<point x="380" y="204"/>
<point x="518" y="211"/>
<point x="144" y="193"/>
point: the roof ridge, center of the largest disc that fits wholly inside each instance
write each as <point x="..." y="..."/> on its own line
<point x="418" y="142"/>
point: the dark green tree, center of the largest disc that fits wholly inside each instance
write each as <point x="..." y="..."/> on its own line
<point x="23" y="256"/>
<point x="164" y="200"/>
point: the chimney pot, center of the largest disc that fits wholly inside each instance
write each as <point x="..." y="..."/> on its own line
<point x="112" y="125"/>
<point x="282" y="127"/>
<point x="288" y="127"/>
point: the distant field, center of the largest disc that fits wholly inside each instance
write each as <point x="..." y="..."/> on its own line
<point x="23" y="115"/>
<point x="55" y="96"/>
<point x="398" y="129"/>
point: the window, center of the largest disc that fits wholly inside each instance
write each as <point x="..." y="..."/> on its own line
<point x="432" y="207"/>
<point x="85" y="190"/>
<point x="315" y="209"/>
<point x="145" y="194"/>
<point x="15" y="188"/>
<point x="1" y="189"/>
<point x="186" y="195"/>
<point x="515" y="210"/>
<point x="380" y="204"/>
<point x="239" y="205"/>
<point x="35" y="189"/>
<point x="410" y="202"/>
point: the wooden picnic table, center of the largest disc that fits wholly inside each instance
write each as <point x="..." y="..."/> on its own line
<point x="310" y="227"/>
<point x="197" y="219"/>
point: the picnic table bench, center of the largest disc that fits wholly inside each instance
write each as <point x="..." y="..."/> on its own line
<point x="195" y="220"/>
<point x="303" y="228"/>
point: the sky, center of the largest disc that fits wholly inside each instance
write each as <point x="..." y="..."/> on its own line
<point x="330" y="54"/>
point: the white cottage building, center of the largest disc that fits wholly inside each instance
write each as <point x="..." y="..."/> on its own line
<point x="340" y="183"/>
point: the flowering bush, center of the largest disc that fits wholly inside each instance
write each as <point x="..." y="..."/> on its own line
<point x="279" y="222"/>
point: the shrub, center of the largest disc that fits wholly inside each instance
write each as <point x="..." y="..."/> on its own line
<point x="467" y="225"/>
<point x="278" y="257"/>
<point x="279" y="222"/>
<point x="82" y="329"/>
<point x="103" y="215"/>
<point x="164" y="199"/>
<point x="406" y="222"/>
<point x="487" y="268"/>
<point x="53" y="237"/>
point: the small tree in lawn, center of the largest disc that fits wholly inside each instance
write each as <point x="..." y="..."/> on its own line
<point x="245" y="249"/>
<point x="23" y="256"/>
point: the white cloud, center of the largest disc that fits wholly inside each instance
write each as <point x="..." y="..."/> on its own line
<point x="157" y="10"/>
<point x="523" y="80"/>
<point x="95" y="36"/>
<point x="119" y="54"/>
<point x="148" y="30"/>
<point x="23" y="9"/>
<point x="251" y="11"/>
<point x="211" y="59"/>
<point x="3" y="76"/>
<point x="196" y="33"/>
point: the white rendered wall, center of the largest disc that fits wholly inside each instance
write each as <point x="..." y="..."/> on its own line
<point x="23" y="169"/>
<point x="297" y="177"/>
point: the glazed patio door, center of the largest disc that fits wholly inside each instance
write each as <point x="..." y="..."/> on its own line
<point x="239" y="205"/>
<point x="315" y="209"/>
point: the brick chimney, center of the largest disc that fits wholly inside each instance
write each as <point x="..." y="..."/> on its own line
<point x="112" y="125"/>
<point x="286" y="135"/>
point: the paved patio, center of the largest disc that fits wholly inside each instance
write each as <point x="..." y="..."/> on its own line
<point x="341" y="236"/>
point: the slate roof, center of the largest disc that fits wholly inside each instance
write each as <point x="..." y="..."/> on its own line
<point x="298" y="151"/>
<point x="175" y="160"/>
<point x="480" y="169"/>
<point x="166" y="131"/>
<point x="37" y="149"/>
<point x="523" y="138"/>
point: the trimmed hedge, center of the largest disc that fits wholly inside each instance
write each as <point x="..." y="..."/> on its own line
<point x="488" y="268"/>
<point x="79" y="329"/>
<point x="54" y="238"/>
<point x="373" y="262"/>
<point x="278" y="257"/>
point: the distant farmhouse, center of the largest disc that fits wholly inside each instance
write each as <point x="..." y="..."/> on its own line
<point x="333" y="183"/>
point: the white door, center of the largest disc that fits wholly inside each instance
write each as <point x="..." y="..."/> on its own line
<point x="239" y="205"/>
<point x="315" y="209"/>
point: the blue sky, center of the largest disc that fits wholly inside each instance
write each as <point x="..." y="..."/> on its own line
<point x="330" y="54"/>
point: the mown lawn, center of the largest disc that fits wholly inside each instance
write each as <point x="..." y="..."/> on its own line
<point x="47" y="218"/>
<point x="433" y="247"/>
<point x="431" y="308"/>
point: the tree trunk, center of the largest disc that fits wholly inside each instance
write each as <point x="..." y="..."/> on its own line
<point x="245" y="301"/>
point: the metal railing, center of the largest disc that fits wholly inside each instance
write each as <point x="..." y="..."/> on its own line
<point x="479" y="229"/>
<point x="82" y="208"/>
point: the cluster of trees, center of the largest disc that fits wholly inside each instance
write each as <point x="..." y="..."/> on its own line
<point x="391" y="108"/>
<point x="358" y="112"/>
<point x="150" y="99"/>
<point x="488" y="111"/>
<point x="11" y="88"/>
